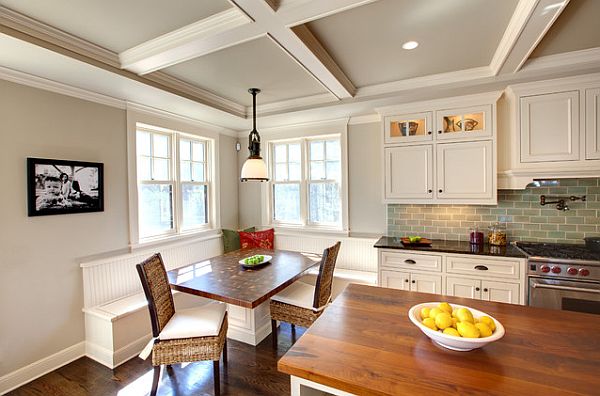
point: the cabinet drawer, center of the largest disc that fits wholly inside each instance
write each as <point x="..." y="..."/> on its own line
<point x="508" y="269"/>
<point x="411" y="261"/>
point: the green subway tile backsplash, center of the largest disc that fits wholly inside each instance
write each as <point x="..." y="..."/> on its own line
<point x="525" y="218"/>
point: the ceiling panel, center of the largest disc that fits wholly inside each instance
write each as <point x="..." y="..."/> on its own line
<point x="116" y="24"/>
<point x="257" y="63"/>
<point x="453" y="35"/>
<point x="576" y="28"/>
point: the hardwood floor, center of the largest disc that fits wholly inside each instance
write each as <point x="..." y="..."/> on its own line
<point x="250" y="371"/>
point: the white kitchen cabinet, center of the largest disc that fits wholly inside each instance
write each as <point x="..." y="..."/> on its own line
<point x="550" y="127"/>
<point x="408" y="281"/>
<point x="405" y="128"/>
<point x="483" y="290"/>
<point x="465" y="171"/>
<point x="592" y="124"/>
<point x="409" y="172"/>
<point x="466" y="122"/>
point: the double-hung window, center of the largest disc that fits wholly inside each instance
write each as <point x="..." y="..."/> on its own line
<point x="173" y="182"/>
<point x="306" y="188"/>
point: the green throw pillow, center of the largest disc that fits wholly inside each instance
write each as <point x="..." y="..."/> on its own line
<point x="231" y="239"/>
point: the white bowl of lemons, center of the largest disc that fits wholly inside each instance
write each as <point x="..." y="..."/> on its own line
<point x="455" y="327"/>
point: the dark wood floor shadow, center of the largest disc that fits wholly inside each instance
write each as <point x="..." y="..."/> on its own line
<point x="250" y="371"/>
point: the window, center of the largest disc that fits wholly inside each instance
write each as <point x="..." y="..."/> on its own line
<point x="173" y="182"/>
<point x="306" y="186"/>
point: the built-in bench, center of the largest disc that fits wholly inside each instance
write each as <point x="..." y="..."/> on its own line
<point x="341" y="278"/>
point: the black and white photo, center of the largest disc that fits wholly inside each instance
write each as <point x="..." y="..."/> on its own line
<point x="63" y="187"/>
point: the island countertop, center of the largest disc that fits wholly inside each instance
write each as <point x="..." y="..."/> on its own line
<point x="460" y="247"/>
<point x="364" y="343"/>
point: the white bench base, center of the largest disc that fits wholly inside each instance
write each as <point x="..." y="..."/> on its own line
<point x="304" y="387"/>
<point x="247" y="325"/>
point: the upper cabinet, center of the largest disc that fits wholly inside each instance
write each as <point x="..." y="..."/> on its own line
<point x="441" y="151"/>
<point x="553" y="131"/>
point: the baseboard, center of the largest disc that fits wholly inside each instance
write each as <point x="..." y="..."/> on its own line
<point x="133" y="349"/>
<point x="43" y="366"/>
<point x="111" y="359"/>
<point x="100" y="354"/>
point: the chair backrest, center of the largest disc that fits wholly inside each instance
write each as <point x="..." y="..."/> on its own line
<point x="158" y="292"/>
<point x="325" y="277"/>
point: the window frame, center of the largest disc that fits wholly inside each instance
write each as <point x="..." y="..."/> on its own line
<point x="181" y="129"/>
<point x="317" y="131"/>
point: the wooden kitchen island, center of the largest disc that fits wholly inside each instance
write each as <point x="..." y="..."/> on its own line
<point x="365" y="344"/>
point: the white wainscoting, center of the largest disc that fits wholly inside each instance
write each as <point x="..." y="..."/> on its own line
<point x="357" y="254"/>
<point x="108" y="279"/>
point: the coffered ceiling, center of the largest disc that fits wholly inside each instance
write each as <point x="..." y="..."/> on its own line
<point x="324" y="56"/>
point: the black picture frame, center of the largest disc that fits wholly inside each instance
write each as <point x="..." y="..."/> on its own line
<point x="50" y="193"/>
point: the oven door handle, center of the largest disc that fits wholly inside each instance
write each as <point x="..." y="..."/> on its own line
<point x="567" y="288"/>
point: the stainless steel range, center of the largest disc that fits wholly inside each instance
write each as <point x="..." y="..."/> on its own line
<point x="563" y="276"/>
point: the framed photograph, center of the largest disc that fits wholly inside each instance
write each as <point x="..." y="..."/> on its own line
<point x="63" y="187"/>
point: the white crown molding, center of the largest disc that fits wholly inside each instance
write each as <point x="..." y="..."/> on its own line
<point x="295" y="104"/>
<point x="314" y="127"/>
<point x="293" y="13"/>
<point x="42" y="31"/>
<point x="364" y="119"/>
<point x="43" y="366"/>
<point x="517" y="23"/>
<point x="134" y="58"/>
<point x="565" y="61"/>
<point x="449" y="102"/>
<point x="60" y="88"/>
<point x="425" y="81"/>
<point x="140" y="108"/>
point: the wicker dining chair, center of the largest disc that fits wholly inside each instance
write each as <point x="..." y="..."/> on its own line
<point x="300" y="304"/>
<point x="188" y="335"/>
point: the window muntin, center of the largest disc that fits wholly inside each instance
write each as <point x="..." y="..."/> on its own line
<point x="306" y="182"/>
<point x="173" y="183"/>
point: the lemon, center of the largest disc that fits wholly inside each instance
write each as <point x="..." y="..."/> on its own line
<point x="445" y="307"/>
<point x="425" y="312"/>
<point x="443" y="320"/>
<point x="454" y="311"/>
<point x="484" y="330"/>
<point x="489" y="322"/>
<point x="429" y="322"/>
<point x="454" y="322"/>
<point x="464" y="315"/>
<point x="451" y="331"/>
<point x="467" y="330"/>
<point x="434" y="312"/>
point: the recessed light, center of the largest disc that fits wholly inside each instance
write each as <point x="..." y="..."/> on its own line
<point x="410" y="45"/>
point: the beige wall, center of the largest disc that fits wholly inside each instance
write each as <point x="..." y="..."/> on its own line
<point x="41" y="294"/>
<point x="41" y="282"/>
<point x="366" y="213"/>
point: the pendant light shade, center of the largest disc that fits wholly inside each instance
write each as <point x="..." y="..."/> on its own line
<point x="254" y="169"/>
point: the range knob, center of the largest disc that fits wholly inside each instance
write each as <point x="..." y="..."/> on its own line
<point x="556" y="270"/>
<point x="584" y="271"/>
<point x="572" y="271"/>
<point x="545" y="268"/>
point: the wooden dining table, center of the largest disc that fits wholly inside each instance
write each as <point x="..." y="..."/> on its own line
<point x="365" y="344"/>
<point x="245" y="290"/>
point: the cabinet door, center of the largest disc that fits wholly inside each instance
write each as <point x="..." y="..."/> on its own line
<point x="500" y="292"/>
<point x="592" y="123"/>
<point x="426" y="283"/>
<point x="459" y="287"/>
<point x="408" y="128"/>
<point x="408" y="172"/>
<point x="465" y="170"/>
<point x="550" y="127"/>
<point x="464" y="122"/>
<point x="395" y="280"/>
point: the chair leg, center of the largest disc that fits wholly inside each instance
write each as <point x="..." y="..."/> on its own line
<point x="155" y="380"/>
<point x="293" y="332"/>
<point x="216" y="377"/>
<point x="274" y="332"/>
<point x="225" y="352"/>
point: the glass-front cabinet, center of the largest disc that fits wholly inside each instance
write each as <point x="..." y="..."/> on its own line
<point x="464" y="122"/>
<point x="408" y="128"/>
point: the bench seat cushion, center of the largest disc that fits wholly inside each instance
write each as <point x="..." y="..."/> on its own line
<point x="203" y="321"/>
<point x="299" y="294"/>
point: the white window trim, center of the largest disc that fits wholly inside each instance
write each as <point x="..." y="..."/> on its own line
<point x="308" y="131"/>
<point x="160" y="122"/>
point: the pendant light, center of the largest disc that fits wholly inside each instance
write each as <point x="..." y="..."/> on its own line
<point x="254" y="168"/>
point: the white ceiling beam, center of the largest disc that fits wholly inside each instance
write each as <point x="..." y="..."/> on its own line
<point x="310" y="54"/>
<point x="293" y="13"/>
<point x="529" y="24"/>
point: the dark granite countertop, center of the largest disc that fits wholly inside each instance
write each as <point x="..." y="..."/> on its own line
<point x="386" y="242"/>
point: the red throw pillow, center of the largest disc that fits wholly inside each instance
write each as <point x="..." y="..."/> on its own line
<point x="259" y="239"/>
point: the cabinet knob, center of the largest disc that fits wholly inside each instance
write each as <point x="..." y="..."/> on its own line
<point x="413" y="281"/>
<point x="440" y="190"/>
<point x="430" y="191"/>
<point x="440" y="132"/>
<point x="477" y="289"/>
<point x="485" y="290"/>
<point x="406" y="280"/>
<point x="429" y="132"/>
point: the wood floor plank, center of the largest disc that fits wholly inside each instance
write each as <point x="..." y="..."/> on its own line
<point x="250" y="371"/>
